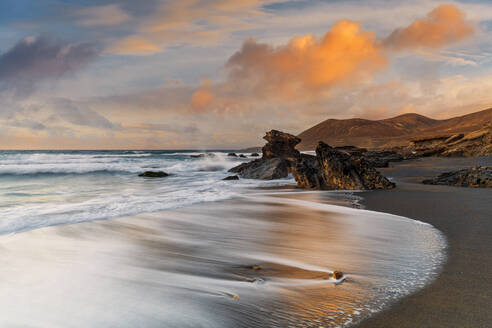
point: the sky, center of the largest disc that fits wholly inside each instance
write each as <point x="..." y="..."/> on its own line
<point x="211" y="74"/>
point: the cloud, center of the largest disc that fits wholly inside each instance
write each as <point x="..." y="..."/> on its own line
<point x="344" y="54"/>
<point x="163" y="127"/>
<point x="444" y="25"/>
<point x="134" y="45"/>
<point x="29" y="124"/>
<point x="102" y="15"/>
<point x="69" y="111"/>
<point x="189" y="21"/>
<point x="35" y="59"/>
<point x="310" y="68"/>
<point x="203" y="97"/>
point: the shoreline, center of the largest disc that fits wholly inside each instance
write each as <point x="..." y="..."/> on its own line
<point x="461" y="296"/>
<point x="201" y="258"/>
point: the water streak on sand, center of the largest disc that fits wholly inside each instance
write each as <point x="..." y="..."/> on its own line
<point x="192" y="266"/>
<point x="222" y="254"/>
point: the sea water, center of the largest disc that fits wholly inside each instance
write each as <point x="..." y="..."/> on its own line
<point x="42" y="188"/>
<point x="180" y="251"/>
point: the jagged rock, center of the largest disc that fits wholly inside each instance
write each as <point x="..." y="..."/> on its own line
<point x="329" y="169"/>
<point x="232" y="155"/>
<point x="476" y="177"/>
<point x="307" y="173"/>
<point x="280" y="144"/>
<point x="279" y="156"/>
<point x="265" y="169"/>
<point x="153" y="174"/>
<point x="242" y="156"/>
<point x="231" y="177"/>
<point x="255" y="155"/>
<point x="376" y="158"/>
<point x="382" y="158"/>
<point x="333" y="169"/>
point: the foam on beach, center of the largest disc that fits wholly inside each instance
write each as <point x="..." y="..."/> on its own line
<point x="260" y="260"/>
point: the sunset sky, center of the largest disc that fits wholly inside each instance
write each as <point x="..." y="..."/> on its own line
<point x="173" y="74"/>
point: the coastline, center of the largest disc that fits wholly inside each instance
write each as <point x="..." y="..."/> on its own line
<point x="139" y="270"/>
<point x="461" y="296"/>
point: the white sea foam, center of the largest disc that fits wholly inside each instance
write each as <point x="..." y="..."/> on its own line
<point x="50" y="188"/>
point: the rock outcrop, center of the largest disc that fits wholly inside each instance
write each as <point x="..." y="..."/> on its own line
<point x="278" y="160"/>
<point x="264" y="169"/>
<point x="329" y="169"/>
<point x="476" y="143"/>
<point x="476" y="177"/>
<point x="231" y="177"/>
<point x="280" y="145"/>
<point x="333" y="169"/>
<point x="153" y="174"/>
<point x="376" y="158"/>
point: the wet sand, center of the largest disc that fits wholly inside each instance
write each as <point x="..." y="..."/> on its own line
<point x="264" y="259"/>
<point x="462" y="294"/>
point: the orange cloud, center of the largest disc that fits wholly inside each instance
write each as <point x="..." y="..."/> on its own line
<point x="134" y="45"/>
<point x="305" y="64"/>
<point x="307" y="70"/>
<point x="444" y="25"/>
<point x="202" y="98"/>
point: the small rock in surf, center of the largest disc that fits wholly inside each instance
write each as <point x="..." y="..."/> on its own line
<point x="153" y="174"/>
<point x="231" y="177"/>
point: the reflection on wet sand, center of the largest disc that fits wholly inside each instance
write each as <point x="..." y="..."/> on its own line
<point x="264" y="260"/>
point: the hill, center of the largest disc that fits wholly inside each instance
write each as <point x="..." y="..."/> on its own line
<point x="389" y="132"/>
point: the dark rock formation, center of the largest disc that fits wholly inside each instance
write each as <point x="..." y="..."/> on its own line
<point x="382" y="158"/>
<point x="153" y="174"/>
<point x="255" y="155"/>
<point x="476" y="177"/>
<point x="231" y="177"/>
<point x="232" y="155"/>
<point x="333" y="169"/>
<point x="329" y="169"/>
<point x="278" y="160"/>
<point x="280" y="145"/>
<point x="376" y="158"/>
<point x="265" y="169"/>
<point x="242" y="156"/>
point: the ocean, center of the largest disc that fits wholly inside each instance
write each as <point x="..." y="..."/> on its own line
<point x="86" y="242"/>
<point x="42" y="188"/>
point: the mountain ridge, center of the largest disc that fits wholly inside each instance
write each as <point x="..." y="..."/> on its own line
<point x="388" y="132"/>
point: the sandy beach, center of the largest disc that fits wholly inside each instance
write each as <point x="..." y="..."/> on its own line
<point x="462" y="294"/>
<point x="264" y="259"/>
